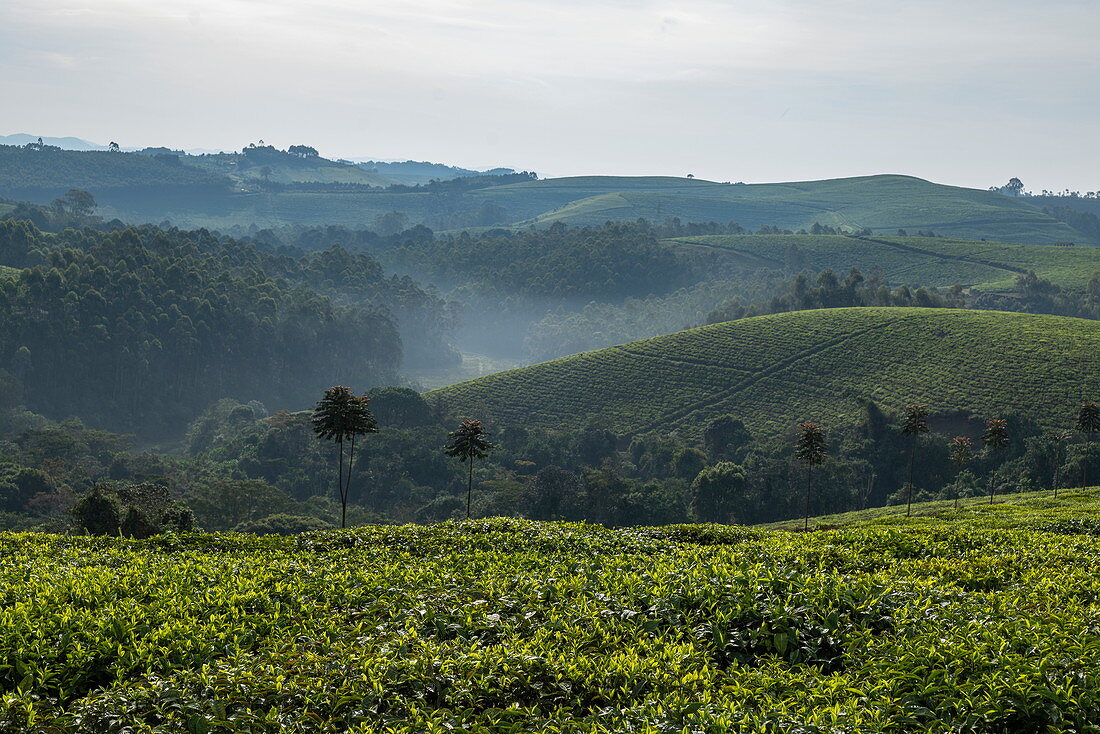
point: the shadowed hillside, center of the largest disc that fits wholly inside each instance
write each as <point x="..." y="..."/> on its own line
<point x="772" y="371"/>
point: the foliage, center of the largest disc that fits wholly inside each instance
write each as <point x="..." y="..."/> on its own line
<point x="981" y="620"/>
<point x="772" y="370"/>
<point x="132" y="510"/>
<point x="145" y="328"/>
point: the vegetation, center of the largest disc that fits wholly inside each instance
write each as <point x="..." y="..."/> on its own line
<point x="979" y="620"/>
<point x="142" y="329"/>
<point x="468" y="442"/>
<point x="771" y="371"/>
<point x="342" y="416"/>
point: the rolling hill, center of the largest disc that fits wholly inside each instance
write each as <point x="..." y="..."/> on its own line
<point x="223" y="190"/>
<point x="932" y="262"/>
<point x="773" y="371"/>
<point x="883" y="204"/>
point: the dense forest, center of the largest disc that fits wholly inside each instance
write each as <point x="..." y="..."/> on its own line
<point x="140" y="329"/>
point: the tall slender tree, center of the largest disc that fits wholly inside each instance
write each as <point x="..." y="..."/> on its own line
<point x="995" y="438"/>
<point x="1058" y="441"/>
<point x="916" y="423"/>
<point x="810" y="449"/>
<point x="468" y="442"/>
<point x="962" y="451"/>
<point x="342" y="416"/>
<point x="1088" y="423"/>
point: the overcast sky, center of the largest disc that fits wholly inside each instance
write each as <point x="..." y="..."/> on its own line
<point x="968" y="92"/>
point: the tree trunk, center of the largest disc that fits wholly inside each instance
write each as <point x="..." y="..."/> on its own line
<point x="806" y="503"/>
<point x="340" y="481"/>
<point x="1085" y="463"/>
<point x="1057" y="470"/>
<point x="912" y="458"/>
<point x="347" y="485"/>
<point x="992" y="476"/>
<point x="469" y="487"/>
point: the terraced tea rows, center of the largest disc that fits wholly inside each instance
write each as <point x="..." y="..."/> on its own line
<point x="980" y="621"/>
<point x="773" y="371"/>
<point x="932" y="262"/>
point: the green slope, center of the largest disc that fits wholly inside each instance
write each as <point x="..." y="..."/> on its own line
<point x="926" y="261"/>
<point x="772" y="371"/>
<point x="27" y="174"/>
<point x="1009" y="510"/>
<point x="882" y="203"/>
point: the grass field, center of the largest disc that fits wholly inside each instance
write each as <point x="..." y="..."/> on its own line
<point x="977" y="621"/>
<point x="773" y="371"/>
<point x="927" y="261"/>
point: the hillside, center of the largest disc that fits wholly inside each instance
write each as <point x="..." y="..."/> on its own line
<point x="883" y="204"/>
<point x="246" y="190"/>
<point x="975" y="621"/>
<point x="40" y="175"/>
<point x="772" y="371"/>
<point x="932" y="262"/>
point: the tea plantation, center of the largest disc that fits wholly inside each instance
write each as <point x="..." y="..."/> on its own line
<point x="981" y="620"/>
<point x="932" y="262"/>
<point x="822" y="365"/>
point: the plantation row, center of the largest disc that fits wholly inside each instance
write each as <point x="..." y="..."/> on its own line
<point x="933" y="262"/>
<point x="981" y="620"/>
<point x="772" y="371"/>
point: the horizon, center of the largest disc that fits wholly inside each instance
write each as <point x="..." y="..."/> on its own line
<point x="763" y="91"/>
<point x="363" y="159"/>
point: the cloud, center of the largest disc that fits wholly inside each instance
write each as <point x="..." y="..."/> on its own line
<point x="566" y="85"/>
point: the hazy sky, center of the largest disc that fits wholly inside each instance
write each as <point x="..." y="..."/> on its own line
<point x="968" y="91"/>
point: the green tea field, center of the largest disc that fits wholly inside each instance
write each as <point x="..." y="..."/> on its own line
<point x="932" y="262"/>
<point x="773" y="371"/>
<point x="981" y="620"/>
<point x="882" y="203"/>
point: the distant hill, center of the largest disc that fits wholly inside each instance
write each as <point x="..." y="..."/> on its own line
<point x="773" y="371"/>
<point x="41" y="175"/>
<point x="884" y="204"/>
<point x="67" y="143"/>
<point x="932" y="262"/>
<point x="269" y="187"/>
<point x="412" y="173"/>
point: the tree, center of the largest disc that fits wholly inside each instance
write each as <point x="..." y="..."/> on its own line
<point x="342" y="416"/>
<point x="810" y="450"/>
<point x="113" y="147"/>
<point x="1058" y="440"/>
<point x="468" y="442"/>
<point x="1014" y="187"/>
<point x="76" y="202"/>
<point x="995" y="438"/>
<point x="556" y="494"/>
<point x="916" y="423"/>
<point x="391" y="223"/>
<point x="303" y="151"/>
<point x="1088" y="422"/>
<point x="713" y="492"/>
<point x="724" y="437"/>
<point x="962" y="451"/>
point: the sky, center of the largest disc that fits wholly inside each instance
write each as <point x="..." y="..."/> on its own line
<point x="966" y="92"/>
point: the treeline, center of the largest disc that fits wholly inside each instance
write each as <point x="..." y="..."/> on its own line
<point x="143" y="328"/>
<point x="249" y="471"/>
<point x="610" y="262"/>
<point x="25" y="169"/>
<point x="1032" y="294"/>
<point x="827" y="290"/>
<point x="1085" y="222"/>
